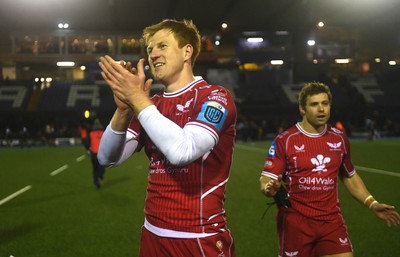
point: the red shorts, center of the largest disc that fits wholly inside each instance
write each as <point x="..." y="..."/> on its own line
<point x="304" y="237"/>
<point x="219" y="245"/>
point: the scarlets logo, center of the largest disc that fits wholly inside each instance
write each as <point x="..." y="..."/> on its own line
<point x="334" y="145"/>
<point x="183" y="107"/>
<point x="292" y="253"/>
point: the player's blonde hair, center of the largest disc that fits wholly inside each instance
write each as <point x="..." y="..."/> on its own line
<point x="313" y="88"/>
<point x="185" y="32"/>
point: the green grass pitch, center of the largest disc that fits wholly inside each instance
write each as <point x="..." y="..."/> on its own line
<point x="50" y="208"/>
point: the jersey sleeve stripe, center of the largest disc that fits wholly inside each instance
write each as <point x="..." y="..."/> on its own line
<point x="269" y="174"/>
<point x="131" y="133"/>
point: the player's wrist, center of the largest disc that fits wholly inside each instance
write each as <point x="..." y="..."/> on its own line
<point x="139" y="106"/>
<point x="370" y="201"/>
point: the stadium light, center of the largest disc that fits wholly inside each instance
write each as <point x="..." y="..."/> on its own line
<point x="65" y="64"/>
<point x="63" y="25"/>
<point x="311" y="42"/>
<point x="255" y="39"/>
<point x="276" y="62"/>
<point x="86" y="114"/>
<point x="342" y="61"/>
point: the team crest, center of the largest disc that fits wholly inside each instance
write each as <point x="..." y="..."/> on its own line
<point x="320" y="162"/>
<point x="334" y="145"/>
<point x="292" y="254"/>
<point x="182" y="108"/>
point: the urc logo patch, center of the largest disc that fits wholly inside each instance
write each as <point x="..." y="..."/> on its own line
<point x="213" y="113"/>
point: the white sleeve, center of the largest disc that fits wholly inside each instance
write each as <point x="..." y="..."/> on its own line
<point x="115" y="147"/>
<point x="179" y="145"/>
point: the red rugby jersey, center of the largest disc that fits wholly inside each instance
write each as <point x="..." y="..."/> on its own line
<point x="191" y="198"/>
<point x="310" y="165"/>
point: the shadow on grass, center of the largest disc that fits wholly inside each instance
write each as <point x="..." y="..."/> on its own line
<point x="116" y="181"/>
<point x="8" y="235"/>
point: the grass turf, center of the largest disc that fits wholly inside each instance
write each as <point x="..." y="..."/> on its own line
<point x="64" y="215"/>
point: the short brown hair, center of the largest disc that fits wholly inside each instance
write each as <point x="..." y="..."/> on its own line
<point x="184" y="31"/>
<point x="313" y="88"/>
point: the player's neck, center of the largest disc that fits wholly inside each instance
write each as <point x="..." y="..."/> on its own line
<point x="306" y="126"/>
<point x="179" y="80"/>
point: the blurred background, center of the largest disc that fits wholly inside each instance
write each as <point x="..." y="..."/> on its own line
<point x="261" y="50"/>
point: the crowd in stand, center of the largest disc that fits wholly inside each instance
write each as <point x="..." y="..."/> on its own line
<point x="27" y="133"/>
<point x="43" y="132"/>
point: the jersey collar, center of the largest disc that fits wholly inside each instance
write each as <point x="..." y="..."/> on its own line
<point x="197" y="79"/>
<point x="311" y="134"/>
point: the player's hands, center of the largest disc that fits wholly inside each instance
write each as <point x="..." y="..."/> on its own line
<point x="387" y="213"/>
<point x="120" y="103"/>
<point x="272" y="186"/>
<point x="129" y="84"/>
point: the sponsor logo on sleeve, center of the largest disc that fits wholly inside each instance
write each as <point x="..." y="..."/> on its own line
<point x="269" y="164"/>
<point x="272" y="150"/>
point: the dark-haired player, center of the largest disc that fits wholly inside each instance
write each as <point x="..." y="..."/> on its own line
<point x="309" y="158"/>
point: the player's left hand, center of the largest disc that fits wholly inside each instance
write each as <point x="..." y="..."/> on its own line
<point x="128" y="84"/>
<point x="272" y="187"/>
<point x="387" y="213"/>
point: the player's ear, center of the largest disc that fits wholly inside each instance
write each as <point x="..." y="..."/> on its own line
<point x="188" y="51"/>
<point x="302" y="111"/>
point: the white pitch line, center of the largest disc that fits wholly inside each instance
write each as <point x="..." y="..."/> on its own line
<point x="80" y="158"/>
<point x="8" y="198"/>
<point x="53" y="173"/>
<point x="383" y="172"/>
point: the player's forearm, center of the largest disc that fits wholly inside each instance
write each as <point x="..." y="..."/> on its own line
<point x="356" y="187"/>
<point x="121" y="119"/>
<point x="115" y="147"/>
